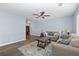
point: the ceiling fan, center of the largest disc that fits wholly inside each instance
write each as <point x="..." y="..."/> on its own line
<point x="41" y="14"/>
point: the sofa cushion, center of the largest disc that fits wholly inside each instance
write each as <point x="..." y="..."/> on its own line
<point x="75" y="42"/>
<point x="65" y="36"/>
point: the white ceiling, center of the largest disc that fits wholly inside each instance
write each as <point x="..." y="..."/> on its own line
<point x="27" y="9"/>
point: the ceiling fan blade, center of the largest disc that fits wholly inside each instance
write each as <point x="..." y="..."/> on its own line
<point x="36" y="14"/>
<point x="42" y="13"/>
<point x="46" y="15"/>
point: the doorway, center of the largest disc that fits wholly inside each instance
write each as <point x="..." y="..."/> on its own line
<point x="27" y="32"/>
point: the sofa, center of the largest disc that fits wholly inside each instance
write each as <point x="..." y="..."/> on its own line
<point x="54" y="38"/>
<point x="53" y="35"/>
<point x="66" y="50"/>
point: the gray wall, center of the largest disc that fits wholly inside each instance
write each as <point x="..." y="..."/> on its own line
<point x="58" y="24"/>
<point x="11" y="28"/>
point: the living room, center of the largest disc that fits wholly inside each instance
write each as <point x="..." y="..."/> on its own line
<point x="53" y="18"/>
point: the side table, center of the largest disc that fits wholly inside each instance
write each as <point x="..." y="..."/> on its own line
<point x="43" y="42"/>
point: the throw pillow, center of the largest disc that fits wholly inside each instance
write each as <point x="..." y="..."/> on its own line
<point x="63" y="41"/>
<point x="42" y="34"/>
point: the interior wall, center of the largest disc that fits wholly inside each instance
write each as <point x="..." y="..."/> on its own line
<point x="11" y="28"/>
<point x="58" y="24"/>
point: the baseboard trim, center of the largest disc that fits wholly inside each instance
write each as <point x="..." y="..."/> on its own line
<point x="34" y="35"/>
<point x="11" y="42"/>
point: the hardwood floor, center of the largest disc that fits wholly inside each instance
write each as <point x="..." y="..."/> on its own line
<point x="11" y="50"/>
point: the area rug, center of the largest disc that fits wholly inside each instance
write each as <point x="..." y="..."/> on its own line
<point x="32" y="50"/>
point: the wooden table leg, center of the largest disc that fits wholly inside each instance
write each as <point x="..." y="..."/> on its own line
<point x="38" y="43"/>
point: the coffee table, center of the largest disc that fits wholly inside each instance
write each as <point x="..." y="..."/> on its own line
<point x="43" y="42"/>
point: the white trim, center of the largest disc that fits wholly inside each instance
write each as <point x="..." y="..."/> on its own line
<point x="11" y="42"/>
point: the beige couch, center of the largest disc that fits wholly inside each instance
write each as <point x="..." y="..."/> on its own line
<point x="55" y="37"/>
<point x="66" y="50"/>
